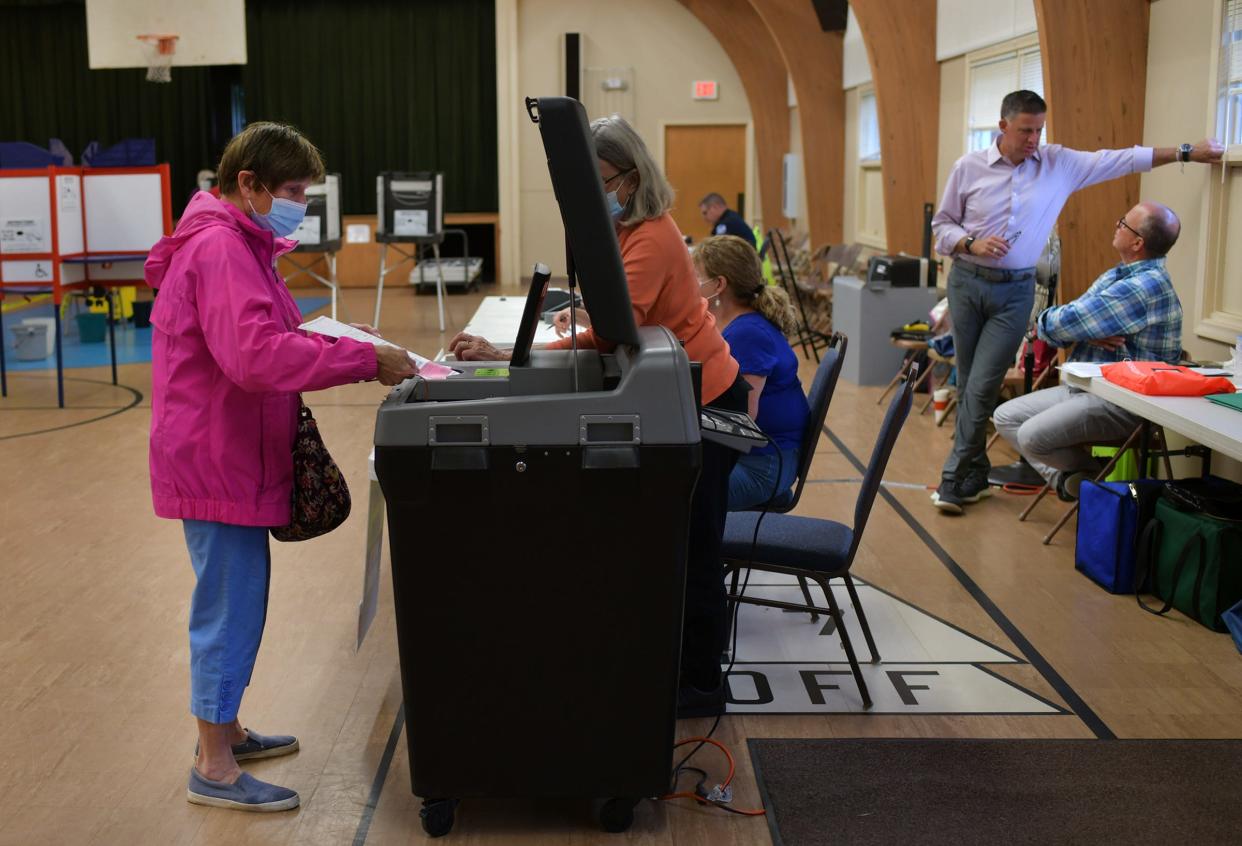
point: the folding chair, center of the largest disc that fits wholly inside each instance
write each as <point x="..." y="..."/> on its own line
<point x="817" y="549"/>
<point x="913" y="350"/>
<point x="807" y="337"/>
<point x="1122" y="446"/>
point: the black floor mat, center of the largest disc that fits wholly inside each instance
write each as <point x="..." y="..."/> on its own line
<point x="893" y="791"/>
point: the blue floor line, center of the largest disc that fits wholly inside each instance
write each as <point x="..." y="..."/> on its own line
<point x="133" y="346"/>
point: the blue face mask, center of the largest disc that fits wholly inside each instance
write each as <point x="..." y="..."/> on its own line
<point x="284" y="217"/>
<point x="614" y="206"/>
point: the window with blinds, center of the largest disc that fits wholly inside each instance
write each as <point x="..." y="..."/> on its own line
<point x="1217" y="306"/>
<point x="868" y="129"/>
<point x="991" y="79"/>
<point x="1229" y="101"/>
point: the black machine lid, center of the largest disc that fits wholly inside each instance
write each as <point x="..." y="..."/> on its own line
<point x="589" y="230"/>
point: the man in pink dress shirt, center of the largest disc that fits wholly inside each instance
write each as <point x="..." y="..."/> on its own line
<point x="999" y="206"/>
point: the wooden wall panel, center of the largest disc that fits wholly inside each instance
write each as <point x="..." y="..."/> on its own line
<point x="814" y="61"/>
<point x="758" y="62"/>
<point x="901" y="46"/>
<point x="1095" y="80"/>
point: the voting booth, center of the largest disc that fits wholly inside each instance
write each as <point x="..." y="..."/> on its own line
<point x="538" y="511"/>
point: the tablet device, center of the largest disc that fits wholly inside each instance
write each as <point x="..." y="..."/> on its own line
<point x="532" y="315"/>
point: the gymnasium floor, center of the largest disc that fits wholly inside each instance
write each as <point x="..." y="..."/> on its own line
<point x="93" y="653"/>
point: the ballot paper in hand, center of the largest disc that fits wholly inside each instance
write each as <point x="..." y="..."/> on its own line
<point x="324" y="325"/>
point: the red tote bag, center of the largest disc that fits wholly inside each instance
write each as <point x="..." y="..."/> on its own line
<point x="1157" y="379"/>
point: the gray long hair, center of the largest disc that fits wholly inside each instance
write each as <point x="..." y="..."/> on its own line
<point x="617" y="143"/>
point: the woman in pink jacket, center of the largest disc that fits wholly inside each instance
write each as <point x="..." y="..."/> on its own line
<point x="228" y="362"/>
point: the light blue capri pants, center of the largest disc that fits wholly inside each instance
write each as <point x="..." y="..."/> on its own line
<point x="227" y="613"/>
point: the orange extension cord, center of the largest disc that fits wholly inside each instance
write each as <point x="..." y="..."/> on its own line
<point x="703" y="800"/>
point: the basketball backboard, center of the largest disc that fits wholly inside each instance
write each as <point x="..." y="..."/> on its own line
<point x="209" y="33"/>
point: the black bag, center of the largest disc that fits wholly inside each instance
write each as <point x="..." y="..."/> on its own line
<point x="1212" y="496"/>
<point x="320" y="496"/>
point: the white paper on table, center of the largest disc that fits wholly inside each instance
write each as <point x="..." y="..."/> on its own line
<point x="1081" y="369"/>
<point x="325" y="325"/>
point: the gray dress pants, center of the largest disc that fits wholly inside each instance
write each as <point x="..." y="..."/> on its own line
<point x="989" y="321"/>
<point x="1055" y="428"/>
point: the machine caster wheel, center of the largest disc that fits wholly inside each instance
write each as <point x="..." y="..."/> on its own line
<point x="437" y="816"/>
<point x="617" y="815"/>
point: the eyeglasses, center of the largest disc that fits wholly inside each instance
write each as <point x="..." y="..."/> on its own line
<point x="617" y="175"/>
<point x="1121" y="221"/>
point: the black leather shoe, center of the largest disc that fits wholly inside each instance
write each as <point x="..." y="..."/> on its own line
<point x="692" y="702"/>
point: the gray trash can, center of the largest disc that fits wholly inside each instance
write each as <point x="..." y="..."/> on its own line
<point x="30" y="342"/>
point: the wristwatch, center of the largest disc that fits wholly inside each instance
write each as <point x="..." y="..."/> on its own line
<point x="1183" y="152"/>
<point x="970" y="239"/>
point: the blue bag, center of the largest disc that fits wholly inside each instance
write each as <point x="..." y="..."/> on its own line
<point x="1233" y="621"/>
<point x="1110" y="517"/>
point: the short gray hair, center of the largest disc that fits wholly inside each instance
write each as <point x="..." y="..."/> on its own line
<point x="617" y="143"/>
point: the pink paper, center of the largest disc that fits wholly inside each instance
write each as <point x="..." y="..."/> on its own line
<point x="434" y="372"/>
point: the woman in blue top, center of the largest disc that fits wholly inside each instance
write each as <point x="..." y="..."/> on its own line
<point x="753" y="317"/>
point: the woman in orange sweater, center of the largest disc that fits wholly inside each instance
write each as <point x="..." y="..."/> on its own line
<point x="664" y="291"/>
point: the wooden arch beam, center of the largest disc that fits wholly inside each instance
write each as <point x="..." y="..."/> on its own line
<point x="901" y="47"/>
<point x="1095" y="77"/>
<point x="755" y="56"/>
<point x="814" y="61"/>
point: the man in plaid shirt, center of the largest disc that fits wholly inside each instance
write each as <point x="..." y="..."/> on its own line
<point x="1130" y="312"/>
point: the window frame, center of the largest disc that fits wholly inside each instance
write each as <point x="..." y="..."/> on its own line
<point x="1211" y="320"/>
<point x="865" y="168"/>
<point x="1014" y="47"/>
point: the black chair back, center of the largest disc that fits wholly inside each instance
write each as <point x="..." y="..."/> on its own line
<point x="818" y="398"/>
<point x="894" y="418"/>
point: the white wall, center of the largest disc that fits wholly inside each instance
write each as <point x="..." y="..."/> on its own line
<point x="952" y="145"/>
<point x="857" y="70"/>
<point x="965" y="25"/>
<point x="667" y="47"/>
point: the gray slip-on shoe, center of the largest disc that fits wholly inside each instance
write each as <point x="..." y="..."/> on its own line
<point x="261" y="746"/>
<point x="245" y="794"/>
<point x="264" y="746"/>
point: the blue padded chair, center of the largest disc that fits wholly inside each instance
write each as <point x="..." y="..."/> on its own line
<point x="816" y="549"/>
<point x="820" y="396"/>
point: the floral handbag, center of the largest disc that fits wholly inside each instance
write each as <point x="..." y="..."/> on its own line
<point x="320" y="495"/>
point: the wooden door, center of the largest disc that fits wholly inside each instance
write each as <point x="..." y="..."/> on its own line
<point x="700" y="159"/>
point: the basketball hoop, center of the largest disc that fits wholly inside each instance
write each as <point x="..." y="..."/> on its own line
<point x="159" y="49"/>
